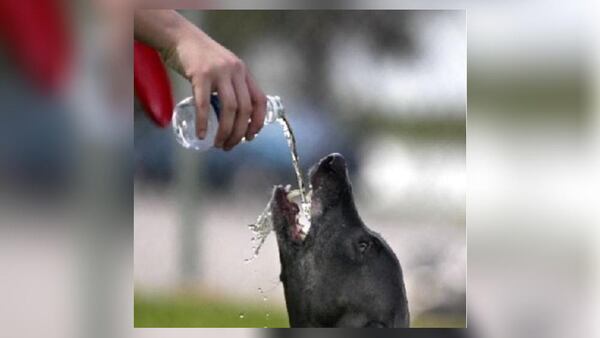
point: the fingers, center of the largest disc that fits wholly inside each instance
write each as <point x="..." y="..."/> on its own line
<point x="229" y="108"/>
<point x="201" y="89"/>
<point x="259" y="105"/>
<point x="244" y="105"/>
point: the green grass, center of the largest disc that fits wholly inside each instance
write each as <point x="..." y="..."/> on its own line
<point x="194" y="310"/>
<point x="435" y="321"/>
<point x="187" y="309"/>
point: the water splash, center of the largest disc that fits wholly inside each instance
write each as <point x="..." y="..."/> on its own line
<point x="262" y="293"/>
<point x="291" y="141"/>
<point x="260" y="231"/>
<point x="264" y="223"/>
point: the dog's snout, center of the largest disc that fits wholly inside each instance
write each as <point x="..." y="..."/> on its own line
<point x="329" y="167"/>
<point x="335" y="162"/>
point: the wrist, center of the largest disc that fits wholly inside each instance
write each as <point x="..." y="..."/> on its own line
<point x="175" y="31"/>
<point x="162" y="29"/>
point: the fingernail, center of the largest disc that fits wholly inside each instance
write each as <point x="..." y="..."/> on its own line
<point x="218" y="144"/>
<point x="202" y="134"/>
<point x="249" y="137"/>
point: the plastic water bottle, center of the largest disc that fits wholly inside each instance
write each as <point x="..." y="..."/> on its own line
<point x="184" y="121"/>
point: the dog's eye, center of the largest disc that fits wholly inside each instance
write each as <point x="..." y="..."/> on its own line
<point x="363" y="246"/>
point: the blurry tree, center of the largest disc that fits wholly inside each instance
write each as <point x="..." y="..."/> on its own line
<point x="389" y="32"/>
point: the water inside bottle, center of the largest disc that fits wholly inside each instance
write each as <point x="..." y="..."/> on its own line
<point x="184" y="126"/>
<point x="264" y="223"/>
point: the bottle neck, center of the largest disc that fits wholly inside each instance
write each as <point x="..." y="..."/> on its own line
<point x="274" y="109"/>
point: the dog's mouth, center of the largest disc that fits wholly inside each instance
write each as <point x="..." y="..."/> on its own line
<point x="286" y="214"/>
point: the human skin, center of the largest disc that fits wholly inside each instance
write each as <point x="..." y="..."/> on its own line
<point x="209" y="67"/>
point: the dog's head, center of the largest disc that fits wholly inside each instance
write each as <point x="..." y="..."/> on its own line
<point x="340" y="273"/>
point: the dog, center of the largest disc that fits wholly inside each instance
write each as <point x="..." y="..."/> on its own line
<point x="339" y="274"/>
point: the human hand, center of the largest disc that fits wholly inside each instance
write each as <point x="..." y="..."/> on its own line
<point x="209" y="67"/>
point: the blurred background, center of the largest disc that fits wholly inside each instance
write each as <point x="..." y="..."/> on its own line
<point x="66" y="173"/>
<point x="387" y="89"/>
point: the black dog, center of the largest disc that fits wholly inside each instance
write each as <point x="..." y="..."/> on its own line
<point x="341" y="274"/>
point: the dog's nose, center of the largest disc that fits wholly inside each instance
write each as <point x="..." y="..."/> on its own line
<point x="335" y="162"/>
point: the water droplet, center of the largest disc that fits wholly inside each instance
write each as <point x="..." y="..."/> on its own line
<point x="260" y="230"/>
<point x="242" y="316"/>
<point x="265" y="299"/>
<point x="249" y="260"/>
